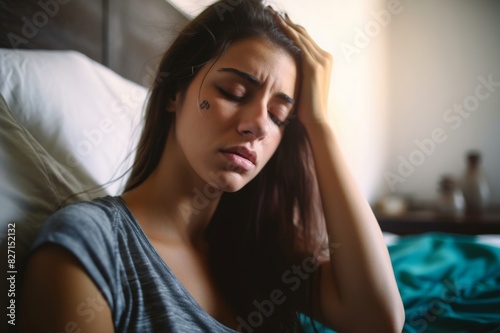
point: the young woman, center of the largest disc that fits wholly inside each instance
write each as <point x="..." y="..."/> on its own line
<point x="237" y="184"/>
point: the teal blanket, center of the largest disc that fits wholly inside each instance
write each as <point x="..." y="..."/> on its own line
<point x="449" y="283"/>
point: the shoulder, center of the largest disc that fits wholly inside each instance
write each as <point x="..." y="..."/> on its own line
<point x="86" y="231"/>
<point x="105" y="208"/>
<point x="83" y="219"/>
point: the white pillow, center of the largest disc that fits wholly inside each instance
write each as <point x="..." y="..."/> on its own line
<point x="68" y="124"/>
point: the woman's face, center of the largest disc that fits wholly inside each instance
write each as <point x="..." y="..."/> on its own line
<point x="230" y="120"/>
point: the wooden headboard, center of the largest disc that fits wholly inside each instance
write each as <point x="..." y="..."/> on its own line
<point x="128" y="36"/>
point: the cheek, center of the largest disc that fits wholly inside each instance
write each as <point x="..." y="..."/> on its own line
<point x="194" y="117"/>
<point x="198" y="130"/>
<point x="270" y="145"/>
<point x="190" y="130"/>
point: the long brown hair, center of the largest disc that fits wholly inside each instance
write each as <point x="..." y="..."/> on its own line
<point x="261" y="232"/>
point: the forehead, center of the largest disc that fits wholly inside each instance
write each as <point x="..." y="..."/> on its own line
<point x="269" y="63"/>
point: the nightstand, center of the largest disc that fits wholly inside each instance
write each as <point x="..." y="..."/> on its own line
<point x="420" y="221"/>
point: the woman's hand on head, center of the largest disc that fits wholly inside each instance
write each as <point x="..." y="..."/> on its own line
<point x="316" y="70"/>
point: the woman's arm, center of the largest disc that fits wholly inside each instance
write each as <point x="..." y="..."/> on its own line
<point x="357" y="287"/>
<point x="58" y="296"/>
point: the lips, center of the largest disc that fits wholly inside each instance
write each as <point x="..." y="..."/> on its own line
<point x="241" y="156"/>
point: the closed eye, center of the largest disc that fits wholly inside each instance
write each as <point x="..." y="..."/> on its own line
<point x="277" y="121"/>
<point x="230" y="96"/>
<point x="279" y="115"/>
<point x="239" y="99"/>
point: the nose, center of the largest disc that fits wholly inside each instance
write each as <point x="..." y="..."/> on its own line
<point x="254" y="121"/>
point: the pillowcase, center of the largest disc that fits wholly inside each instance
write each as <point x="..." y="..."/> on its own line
<point x="67" y="125"/>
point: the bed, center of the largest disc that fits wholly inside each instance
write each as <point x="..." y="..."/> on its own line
<point x="73" y="84"/>
<point x="448" y="282"/>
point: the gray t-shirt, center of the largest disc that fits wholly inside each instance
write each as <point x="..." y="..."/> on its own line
<point x="141" y="290"/>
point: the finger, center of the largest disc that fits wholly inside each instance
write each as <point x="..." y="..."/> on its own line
<point x="301" y="36"/>
<point x="300" y="29"/>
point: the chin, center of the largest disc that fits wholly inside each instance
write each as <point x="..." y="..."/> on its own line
<point x="228" y="181"/>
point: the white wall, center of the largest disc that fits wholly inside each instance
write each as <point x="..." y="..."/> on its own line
<point x="437" y="52"/>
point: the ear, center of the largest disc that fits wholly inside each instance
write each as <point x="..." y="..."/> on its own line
<point x="171" y="104"/>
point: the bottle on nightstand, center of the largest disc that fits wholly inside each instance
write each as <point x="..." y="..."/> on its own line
<point x="451" y="200"/>
<point x="475" y="185"/>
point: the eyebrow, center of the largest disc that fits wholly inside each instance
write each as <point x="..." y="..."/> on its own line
<point x="254" y="81"/>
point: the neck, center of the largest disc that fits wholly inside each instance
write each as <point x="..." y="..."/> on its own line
<point x="173" y="203"/>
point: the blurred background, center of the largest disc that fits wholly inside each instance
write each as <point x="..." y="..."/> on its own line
<point x="410" y="95"/>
